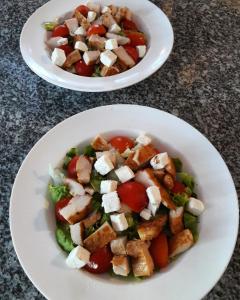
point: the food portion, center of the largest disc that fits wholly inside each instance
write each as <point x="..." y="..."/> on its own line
<point x="96" y="41"/>
<point x="123" y="206"/>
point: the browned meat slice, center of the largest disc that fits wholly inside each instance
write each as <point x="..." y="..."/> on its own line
<point x="100" y="144"/>
<point x="84" y="169"/>
<point x="181" y="242"/>
<point x="151" y="229"/>
<point x="124" y="56"/>
<point x="176" y="220"/>
<point x="91" y="220"/>
<point x="109" y="71"/>
<point x="120" y="265"/>
<point x="97" y="41"/>
<point x="170" y="168"/>
<point x="168" y="181"/>
<point x="82" y="21"/>
<point x="72" y="58"/>
<point x="108" y="20"/>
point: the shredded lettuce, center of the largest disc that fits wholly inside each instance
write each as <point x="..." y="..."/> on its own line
<point x="187" y="180"/>
<point x="95" y="180"/>
<point x="89" y="151"/>
<point x="97" y="72"/>
<point x="97" y="202"/>
<point x="88" y="231"/>
<point x="49" y="26"/>
<point x="131" y="231"/>
<point x="70" y="154"/>
<point x="63" y="237"/>
<point x="57" y="192"/>
<point x="180" y="199"/>
<point x="191" y="222"/>
<point x="178" y="164"/>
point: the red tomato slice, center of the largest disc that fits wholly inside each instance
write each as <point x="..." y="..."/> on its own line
<point x="96" y="29"/>
<point x="58" y="206"/>
<point x="178" y="188"/>
<point x="60" y="30"/>
<point x="84" y="70"/>
<point x="71" y="170"/>
<point x="100" y="261"/>
<point x="83" y="9"/>
<point x="66" y="48"/>
<point x="132" y="51"/>
<point x="121" y="143"/>
<point x="129" y="25"/>
<point x="133" y="194"/>
<point x="159" y="250"/>
<point x="137" y="38"/>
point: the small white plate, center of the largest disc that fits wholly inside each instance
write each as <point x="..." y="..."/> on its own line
<point x="32" y="222"/>
<point x="150" y="19"/>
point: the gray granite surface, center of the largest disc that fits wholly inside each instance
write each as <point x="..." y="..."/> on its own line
<point x="199" y="83"/>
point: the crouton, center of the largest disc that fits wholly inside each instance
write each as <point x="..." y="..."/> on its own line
<point x="77" y="209"/>
<point x="151" y="229"/>
<point x="108" y="20"/>
<point x="101" y="237"/>
<point x="97" y="41"/>
<point x="84" y="169"/>
<point x="91" y="220"/>
<point x="176" y="220"/>
<point x="72" y="58"/>
<point x="100" y="144"/>
<point x="124" y="56"/>
<point x="120" y="265"/>
<point x="118" y="246"/>
<point x="144" y="156"/>
<point x="168" y="181"/>
<point x="180" y="242"/>
<point x="77" y="233"/>
<point x="109" y="71"/>
<point x="170" y="167"/>
<point x="122" y="40"/>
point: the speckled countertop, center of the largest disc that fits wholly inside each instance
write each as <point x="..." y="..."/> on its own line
<point x="199" y="83"/>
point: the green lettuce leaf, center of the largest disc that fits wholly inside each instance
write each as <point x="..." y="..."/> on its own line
<point x="57" y="192"/>
<point x="95" y="180"/>
<point x="178" y="164"/>
<point x="130" y="276"/>
<point x="180" y="199"/>
<point x="49" y="26"/>
<point x="97" y="202"/>
<point x="187" y="180"/>
<point x="89" y="151"/>
<point x="191" y="222"/>
<point x="70" y="154"/>
<point x="63" y="237"/>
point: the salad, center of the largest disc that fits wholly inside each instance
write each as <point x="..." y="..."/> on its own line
<point x="96" y="42"/>
<point x="123" y="207"/>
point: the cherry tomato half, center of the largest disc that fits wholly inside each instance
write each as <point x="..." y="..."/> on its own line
<point x="60" y="30"/>
<point x="71" y="169"/>
<point x="96" y="29"/>
<point x="83" y="9"/>
<point x="58" y="206"/>
<point x="136" y="38"/>
<point x="66" y="48"/>
<point x="178" y="188"/>
<point x="100" y="261"/>
<point x="121" y="143"/>
<point x="132" y="51"/>
<point x="84" y="70"/>
<point x="129" y="25"/>
<point x="133" y="194"/>
<point x="159" y="250"/>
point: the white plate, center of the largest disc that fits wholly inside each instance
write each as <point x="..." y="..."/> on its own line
<point x="150" y="19"/>
<point x="32" y="221"/>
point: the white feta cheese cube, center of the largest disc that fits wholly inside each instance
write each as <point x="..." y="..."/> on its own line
<point x="108" y="58"/>
<point x="159" y="161"/>
<point x="108" y="186"/>
<point x="124" y="174"/>
<point x="195" y="206"/>
<point x="78" y="258"/>
<point x="58" y="57"/>
<point x="81" y="46"/>
<point x="103" y="165"/>
<point x="72" y="25"/>
<point x="154" y="197"/>
<point x="91" y="16"/>
<point x="62" y="41"/>
<point x="77" y="231"/>
<point x="114" y="28"/>
<point x="118" y="246"/>
<point x="146" y="214"/>
<point x="111" y="44"/>
<point x="153" y="208"/>
<point x="119" y="222"/>
<point x="141" y="51"/>
<point x="111" y="154"/>
<point x="111" y="202"/>
<point x="90" y="57"/>
<point x="143" y="139"/>
<point x="80" y="31"/>
<point x="105" y="9"/>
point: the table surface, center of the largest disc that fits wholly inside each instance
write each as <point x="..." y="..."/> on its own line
<point x="199" y="83"/>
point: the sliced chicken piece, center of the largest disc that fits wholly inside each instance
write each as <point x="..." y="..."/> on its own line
<point x="151" y="229"/>
<point x="91" y="57"/>
<point x="55" y="42"/>
<point x="145" y="153"/>
<point x="84" y="169"/>
<point x="72" y="58"/>
<point x="101" y="237"/>
<point x="159" y="174"/>
<point x="120" y="265"/>
<point x="170" y="168"/>
<point x="113" y="9"/>
<point x="97" y="41"/>
<point x="100" y="144"/>
<point x="118" y="246"/>
<point x="123" y="13"/>
<point x="75" y="188"/>
<point x="77" y="233"/>
<point x="109" y="71"/>
<point x="112" y="154"/>
<point x="82" y="21"/>
<point x="135" y="248"/>
<point x="180" y="242"/>
<point x="121" y="66"/>
<point x="124" y="57"/>
<point x="94" y="6"/>
<point x="89" y="190"/>
<point x="176" y="220"/>
<point x="108" y="20"/>
<point x="168" y="181"/>
<point x="166" y="199"/>
<point x="98" y="21"/>
<point x="77" y="209"/>
<point x="78" y="38"/>
<point x="91" y="220"/>
<point x="72" y="25"/>
<point x="122" y="40"/>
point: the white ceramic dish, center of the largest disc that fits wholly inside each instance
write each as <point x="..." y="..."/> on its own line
<point x="150" y="19"/>
<point x="32" y="220"/>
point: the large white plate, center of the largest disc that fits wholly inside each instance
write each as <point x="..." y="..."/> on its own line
<point x="150" y="19"/>
<point x="32" y="221"/>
